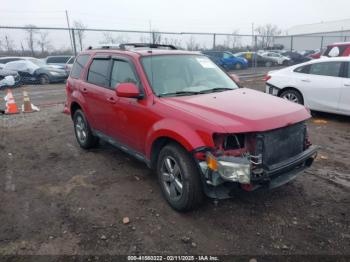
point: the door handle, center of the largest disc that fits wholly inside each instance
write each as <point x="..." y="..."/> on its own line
<point x="111" y="100"/>
<point x="305" y="80"/>
<point x="84" y="90"/>
<point x="346" y="84"/>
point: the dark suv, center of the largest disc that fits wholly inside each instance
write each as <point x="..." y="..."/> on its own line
<point x="183" y="116"/>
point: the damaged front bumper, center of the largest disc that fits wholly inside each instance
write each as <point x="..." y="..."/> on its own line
<point x="224" y="174"/>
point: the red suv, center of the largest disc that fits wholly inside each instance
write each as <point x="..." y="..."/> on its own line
<point x="186" y="118"/>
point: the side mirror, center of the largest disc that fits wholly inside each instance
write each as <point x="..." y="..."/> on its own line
<point x="129" y="90"/>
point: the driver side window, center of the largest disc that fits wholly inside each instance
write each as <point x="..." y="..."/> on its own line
<point x="122" y="72"/>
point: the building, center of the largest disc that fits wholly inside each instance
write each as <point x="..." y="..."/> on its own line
<point x="315" y="36"/>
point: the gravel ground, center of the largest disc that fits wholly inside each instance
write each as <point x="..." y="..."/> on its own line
<point x="59" y="199"/>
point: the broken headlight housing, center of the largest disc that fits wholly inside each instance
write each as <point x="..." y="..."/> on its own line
<point x="234" y="169"/>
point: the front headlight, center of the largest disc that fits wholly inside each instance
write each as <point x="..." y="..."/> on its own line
<point x="235" y="169"/>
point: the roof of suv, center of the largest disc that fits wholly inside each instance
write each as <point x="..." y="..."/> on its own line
<point x="140" y="50"/>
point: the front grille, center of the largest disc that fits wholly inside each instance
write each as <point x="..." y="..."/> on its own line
<point x="280" y="144"/>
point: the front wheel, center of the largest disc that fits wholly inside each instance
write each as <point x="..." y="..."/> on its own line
<point x="293" y="96"/>
<point x="179" y="178"/>
<point x="83" y="132"/>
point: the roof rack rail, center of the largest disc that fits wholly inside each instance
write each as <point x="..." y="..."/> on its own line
<point x="137" y="45"/>
<point x="104" y="46"/>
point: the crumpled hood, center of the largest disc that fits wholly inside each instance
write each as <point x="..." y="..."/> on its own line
<point x="241" y="110"/>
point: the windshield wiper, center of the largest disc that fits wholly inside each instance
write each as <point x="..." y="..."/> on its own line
<point x="217" y="89"/>
<point x="180" y="93"/>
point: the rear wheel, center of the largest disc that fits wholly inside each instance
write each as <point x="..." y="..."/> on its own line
<point x="268" y="64"/>
<point x="179" y="178"/>
<point x="293" y="96"/>
<point x="44" y="79"/>
<point x="83" y="132"/>
<point x="238" y="66"/>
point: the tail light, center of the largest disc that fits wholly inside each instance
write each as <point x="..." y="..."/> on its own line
<point x="267" y="77"/>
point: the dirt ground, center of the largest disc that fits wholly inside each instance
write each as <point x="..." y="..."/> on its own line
<point x="59" y="199"/>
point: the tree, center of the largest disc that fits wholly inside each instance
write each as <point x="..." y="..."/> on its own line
<point x="233" y="41"/>
<point x="43" y="41"/>
<point x="192" y="45"/>
<point x="266" y="34"/>
<point x="31" y="32"/>
<point x="156" y="37"/>
<point x="108" y="38"/>
<point x="9" y="44"/>
<point x="79" y="32"/>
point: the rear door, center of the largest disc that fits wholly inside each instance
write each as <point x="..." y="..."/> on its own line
<point x="321" y="87"/>
<point x="96" y="90"/>
<point x="344" y="101"/>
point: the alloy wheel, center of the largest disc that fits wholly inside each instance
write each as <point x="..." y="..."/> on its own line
<point x="81" y="129"/>
<point x="172" y="178"/>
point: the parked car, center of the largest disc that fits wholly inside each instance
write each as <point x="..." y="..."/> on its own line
<point x="253" y="58"/>
<point x="183" y="116"/>
<point x="227" y="60"/>
<point x="68" y="66"/>
<point x="337" y="49"/>
<point x="278" y="58"/>
<point x="321" y="85"/>
<point x="295" y="57"/>
<point x="59" y="60"/>
<point x="9" y="78"/>
<point x="36" y="71"/>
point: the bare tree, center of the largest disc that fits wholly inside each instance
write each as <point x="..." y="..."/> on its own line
<point x="108" y="38"/>
<point x="9" y="44"/>
<point x="266" y="35"/>
<point x="192" y="45"/>
<point x="172" y="41"/>
<point x="156" y="37"/>
<point x="43" y="41"/>
<point x="79" y="32"/>
<point x="31" y="32"/>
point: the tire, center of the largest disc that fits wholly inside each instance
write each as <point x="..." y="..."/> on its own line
<point x="238" y="66"/>
<point x="179" y="178"/>
<point x="83" y="132"/>
<point x="293" y="96"/>
<point x="44" y="79"/>
<point x="268" y="64"/>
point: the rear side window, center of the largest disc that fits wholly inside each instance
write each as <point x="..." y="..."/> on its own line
<point x="98" y="72"/>
<point x="122" y="72"/>
<point x="326" y="69"/>
<point x="58" y="59"/>
<point x="303" y="69"/>
<point x="79" y="65"/>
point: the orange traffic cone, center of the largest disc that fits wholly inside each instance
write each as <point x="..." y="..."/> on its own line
<point x="27" y="105"/>
<point x="11" y="107"/>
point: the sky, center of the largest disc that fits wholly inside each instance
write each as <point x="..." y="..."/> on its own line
<point x="222" y="16"/>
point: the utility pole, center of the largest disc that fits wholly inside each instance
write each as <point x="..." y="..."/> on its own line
<point x="252" y="34"/>
<point x="70" y="34"/>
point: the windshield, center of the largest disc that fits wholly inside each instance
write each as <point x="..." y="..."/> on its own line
<point x="37" y="62"/>
<point x="185" y="75"/>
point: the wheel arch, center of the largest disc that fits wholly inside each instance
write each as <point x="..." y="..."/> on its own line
<point x="181" y="134"/>
<point x="291" y="88"/>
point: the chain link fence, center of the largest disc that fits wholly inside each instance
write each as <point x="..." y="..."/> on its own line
<point x="42" y="41"/>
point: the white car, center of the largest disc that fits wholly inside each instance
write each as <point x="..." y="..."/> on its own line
<point x="278" y="58"/>
<point x="321" y="85"/>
